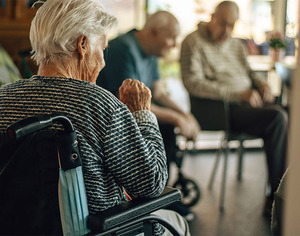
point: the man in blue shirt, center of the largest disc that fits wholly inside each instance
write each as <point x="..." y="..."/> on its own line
<point x="125" y="58"/>
<point x="135" y="55"/>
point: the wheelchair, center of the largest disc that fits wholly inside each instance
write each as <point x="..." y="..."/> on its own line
<point x="29" y="176"/>
<point x="190" y="192"/>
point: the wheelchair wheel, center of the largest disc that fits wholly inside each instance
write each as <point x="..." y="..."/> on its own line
<point x="189" y="191"/>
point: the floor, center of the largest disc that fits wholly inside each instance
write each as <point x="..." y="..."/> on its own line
<point x="244" y="200"/>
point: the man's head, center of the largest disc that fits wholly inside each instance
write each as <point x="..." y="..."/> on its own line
<point x="223" y="20"/>
<point x="161" y="30"/>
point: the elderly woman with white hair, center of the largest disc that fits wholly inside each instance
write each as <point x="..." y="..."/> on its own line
<point x="120" y="141"/>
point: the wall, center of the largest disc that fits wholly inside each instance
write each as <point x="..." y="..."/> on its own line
<point x="15" y="19"/>
<point x="292" y="201"/>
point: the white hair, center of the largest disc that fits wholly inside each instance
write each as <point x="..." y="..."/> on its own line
<point x="58" y="24"/>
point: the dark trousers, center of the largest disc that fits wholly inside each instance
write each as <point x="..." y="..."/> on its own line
<point x="169" y="138"/>
<point x="271" y="124"/>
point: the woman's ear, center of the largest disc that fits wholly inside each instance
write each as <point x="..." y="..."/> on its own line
<point x="82" y="46"/>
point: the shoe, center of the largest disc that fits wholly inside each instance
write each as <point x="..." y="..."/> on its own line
<point x="182" y="210"/>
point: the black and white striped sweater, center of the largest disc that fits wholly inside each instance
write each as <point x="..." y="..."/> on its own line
<point x="118" y="149"/>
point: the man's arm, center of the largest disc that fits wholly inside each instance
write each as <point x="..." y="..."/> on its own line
<point x="167" y="111"/>
<point x="161" y="97"/>
<point x="258" y="82"/>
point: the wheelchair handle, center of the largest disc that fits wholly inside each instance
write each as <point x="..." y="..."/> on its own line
<point x="31" y="124"/>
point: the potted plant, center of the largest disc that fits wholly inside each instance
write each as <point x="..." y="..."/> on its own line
<point x="277" y="45"/>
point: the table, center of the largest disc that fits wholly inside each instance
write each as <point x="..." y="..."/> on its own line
<point x="264" y="64"/>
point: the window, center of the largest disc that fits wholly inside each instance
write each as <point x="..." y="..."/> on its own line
<point x="292" y="26"/>
<point x="130" y="14"/>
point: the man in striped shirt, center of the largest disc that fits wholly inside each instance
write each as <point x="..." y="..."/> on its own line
<point x="214" y="65"/>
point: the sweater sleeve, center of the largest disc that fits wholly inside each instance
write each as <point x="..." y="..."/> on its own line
<point x="134" y="152"/>
<point x="256" y="79"/>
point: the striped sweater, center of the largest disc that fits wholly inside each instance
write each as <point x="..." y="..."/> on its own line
<point x="214" y="70"/>
<point x="118" y="149"/>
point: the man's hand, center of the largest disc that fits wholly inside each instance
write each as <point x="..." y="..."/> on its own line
<point x="252" y="97"/>
<point x="188" y="126"/>
<point x="135" y="95"/>
<point x="266" y="93"/>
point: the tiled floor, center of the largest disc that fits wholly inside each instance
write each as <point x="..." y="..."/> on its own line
<point x="244" y="200"/>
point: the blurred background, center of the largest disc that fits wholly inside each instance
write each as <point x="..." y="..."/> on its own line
<point x="257" y="18"/>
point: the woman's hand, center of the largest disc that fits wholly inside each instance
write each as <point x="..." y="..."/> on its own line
<point x="135" y="95"/>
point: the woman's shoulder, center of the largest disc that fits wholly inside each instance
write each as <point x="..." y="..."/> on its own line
<point x="97" y="94"/>
<point x="12" y="85"/>
<point x="85" y="91"/>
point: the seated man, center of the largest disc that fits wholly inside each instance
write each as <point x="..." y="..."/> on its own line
<point x="135" y="55"/>
<point x="116" y="137"/>
<point x="214" y="65"/>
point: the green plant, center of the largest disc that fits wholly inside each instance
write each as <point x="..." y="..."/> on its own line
<point x="276" y="41"/>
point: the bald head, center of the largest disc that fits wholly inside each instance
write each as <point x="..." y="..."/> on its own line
<point x="223" y="20"/>
<point x="227" y="6"/>
<point x="159" y="34"/>
<point x="161" y="20"/>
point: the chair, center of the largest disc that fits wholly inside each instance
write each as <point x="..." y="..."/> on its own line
<point x="285" y="74"/>
<point x="190" y="191"/>
<point x="29" y="177"/>
<point x="213" y="115"/>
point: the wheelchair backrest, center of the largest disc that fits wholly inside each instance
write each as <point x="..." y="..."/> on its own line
<point x="29" y="185"/>
<point x="29" y="175"/>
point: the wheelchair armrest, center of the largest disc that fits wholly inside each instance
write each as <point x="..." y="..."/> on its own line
<point x="131" y="210"/>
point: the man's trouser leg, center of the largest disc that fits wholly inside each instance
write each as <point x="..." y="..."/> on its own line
<point x="270" y="123"/>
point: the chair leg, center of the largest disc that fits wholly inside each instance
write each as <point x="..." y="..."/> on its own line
<point x="215" y="167"/>
<point x="240" y="161"/>
<point x="223" y="185"/>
